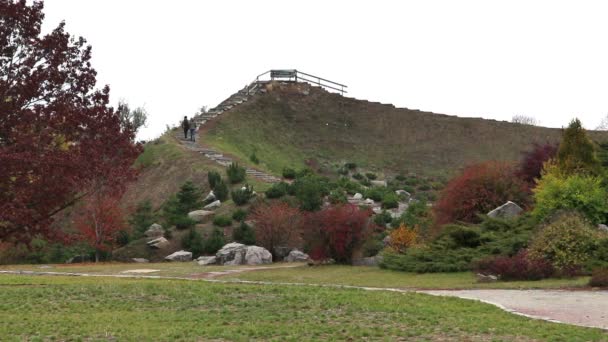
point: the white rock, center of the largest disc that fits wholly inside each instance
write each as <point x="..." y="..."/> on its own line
<point x="377" y="210"/>
<point x="403" y="193"/>
<point x="256" y="255"/>
<point x="297" y="256"/>
<point x="179" y="256"/>
<point x="213" y="205"/>
<point x="200" y="215"/>
<point x="206" y="260"/>
<point x="379" y="183"/>
<point x="210" y="196"/>
<point x="368" y="201"/>
<point x="158" y="242"/>
<point x="508" y="210"/>
<point x="140" y="260"/>
<point x="358" y="196"/>
<point x="602" y="227"/>
<point x="155" y="230"/>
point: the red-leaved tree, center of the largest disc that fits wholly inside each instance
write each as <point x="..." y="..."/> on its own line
<point x="277" y="225"/>
<point x="59" y="139"/>
<point x="479" y="189"/>
<point x="336" y="232"/>
<point x="100" y="222"/>
<point x="531" y="164"/>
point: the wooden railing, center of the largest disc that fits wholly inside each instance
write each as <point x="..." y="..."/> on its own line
<point x="294" y="75"/>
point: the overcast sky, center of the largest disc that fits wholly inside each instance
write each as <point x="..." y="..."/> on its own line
<point x="491" y="59"/>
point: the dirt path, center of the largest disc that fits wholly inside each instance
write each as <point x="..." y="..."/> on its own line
<point x="585" y="308"/>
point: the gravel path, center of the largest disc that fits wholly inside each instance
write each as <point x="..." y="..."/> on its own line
<point x="586" y="308"/>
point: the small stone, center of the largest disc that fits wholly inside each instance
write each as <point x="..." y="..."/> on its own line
<point x="158" y="242"/>
<point x="206" y="260"/>
<point x="200" y="215"/>
<point x="155" y="230"/>
<point x="140" y="260"/>
<point x="358" y="196"/>
<point x="179" y="256"/>
<point x="482" y="278"/>
<point x="213" y="205"/>
<point x="403" y="193"/>
<point x="296" y="256"/>
<point x="368" y="201"/>
<point x="379" y="183"/>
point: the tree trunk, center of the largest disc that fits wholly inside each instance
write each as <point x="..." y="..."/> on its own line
<point x="96" y="255"/>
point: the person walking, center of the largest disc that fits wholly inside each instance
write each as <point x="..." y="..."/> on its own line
<point x="192" y="129"/>
<point x="186" y="127"/>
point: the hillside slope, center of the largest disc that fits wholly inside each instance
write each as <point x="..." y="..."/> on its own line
<point x="292" y="123"/>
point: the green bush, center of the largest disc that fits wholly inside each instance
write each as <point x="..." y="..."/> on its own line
<point x="254" y="159"/>
<point x="366" y="182"/>
<point x="244" y="234"/>
<point x="577" y="153"/>
<point x="342" y="171"/>
<point x="400" y="178"/>
<point x="236" y="174"/>
<point x="337" y="197"/>
<point x="464" y="236"/>
<point x="373" y="245"/>
<point x="289" y="173"/>
<point x="376" y="193"/>
<point x="358" y="176"/>
<point x="424" y="187"/>
<point x="383" y="218"/>
<point x="222" y="221"/>
<point x="350" y="166"/>
<point x="183" y="222"/>
<point x="412" y="181"/>
<point x="390" y="200"/>
<point x="215" y="242"/>
<point x="349" y="186"/>
<point x="213" y="178"/>
<point x="243" y="195"/>
<point x="408" y="189"/>
<point x="188" y="198"/>
<point x="371" y="175"/>
<point x="141" y="219"/>
<point x="585" y="194"/>
<point x="277" y="190"/>
<point x="310" y="191"/>
<point x="417" y="214"/>
<point x="193" y="242"/>
<point x="221" y="191"/>
<point x="568" y="242"/>
<point x="239" y="215"/>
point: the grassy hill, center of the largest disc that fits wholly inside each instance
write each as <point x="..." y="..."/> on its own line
<point x="291" y="124"/>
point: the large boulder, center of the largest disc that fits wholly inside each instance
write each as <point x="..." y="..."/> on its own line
<point x="281" y="252"/>
<point x="239" y="254"/>
<point x="206" y="260"/>
<point x="213" y="205"/>
<point x="256" y="255"/>
<point x="158" y="242"/>
<point x="231" y="254"/>
<point x="508" y="210"/>
<point x="155" y="230"/>
<point x="200" y="215"/>
<point x="179" y="256"/>
<point x="297" y="256"/>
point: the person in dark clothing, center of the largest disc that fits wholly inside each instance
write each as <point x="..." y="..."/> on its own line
<point x="192" y="130"/>
<point x="186" y="127"/>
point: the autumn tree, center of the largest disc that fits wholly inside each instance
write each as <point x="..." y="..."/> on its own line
<point x="276" y="225"/>
<point x="533" y="161"/>
<point x="59" y="139"/>
<point x="133" y="119"/>
<point x="100" y="222"/>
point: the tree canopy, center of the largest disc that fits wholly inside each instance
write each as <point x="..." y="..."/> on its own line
<point x="59" y="138"/>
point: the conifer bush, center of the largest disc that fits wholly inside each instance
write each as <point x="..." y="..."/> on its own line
<point x="289" y="173"/>
<point x="222" y="221"/>
<point x="213" y="178"/>
<point x="193" y="242"/>
<point x="243" y="195"/>
<point x="236" y="174"/>
<point x="239" y="215"/>
<point x="215" y="242"/>
<point x="244" y="234"/>
<point x="221" y="191"/>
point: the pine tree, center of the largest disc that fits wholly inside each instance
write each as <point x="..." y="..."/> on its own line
<point x="577" y="153"/>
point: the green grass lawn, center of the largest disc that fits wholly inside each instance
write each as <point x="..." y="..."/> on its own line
<point x="336" y="274"/>
<point x="376" y="277"/>
<point x="41" y="308"/>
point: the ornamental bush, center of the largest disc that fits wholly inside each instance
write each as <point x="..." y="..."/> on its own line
<point x="277" y="190"/>
<point x="567" y="242"/>
<point x="336" y="232"/>
<point x="277" y="225"/>
<point x="479" y="189"/>
<point x="403" y="238"/>
<point x="236" y="173"/>
<point x="221" y="191"/>
<point x="289" y="173"/>
<point x="582" y="193"/>
<point x="215" y="242"/>
<point x="222" y="221"/>
<point x="518" y="267"/>
<point x="242" y="196"/>
<point x="244" y="234"/>
<point x="533" y="161"/>
<point x="213" y="178"/>
<point x="390" y="200"/>
<point x="239" y="215"/>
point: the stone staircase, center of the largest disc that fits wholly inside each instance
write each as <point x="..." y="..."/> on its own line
<point x="235" y="99"/>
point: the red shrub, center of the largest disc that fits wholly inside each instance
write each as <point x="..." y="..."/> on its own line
<point x="479" y="189"/>
<point x="336" y="232"/>
<point x="517" y="267"/>
<point x="277" y="225"/>
<point x="100" y="223"/>
<point x="532" y="161"/>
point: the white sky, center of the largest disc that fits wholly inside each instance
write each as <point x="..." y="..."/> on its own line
<point x="491" y="59"/>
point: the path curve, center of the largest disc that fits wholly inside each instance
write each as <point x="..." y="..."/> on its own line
<point x="582" y="308"/>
